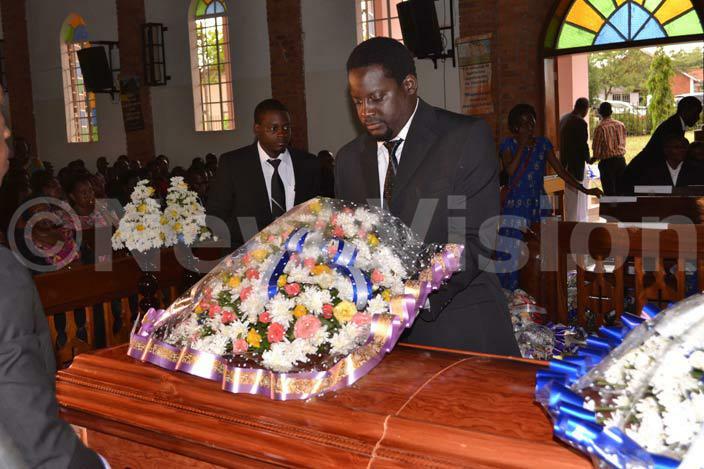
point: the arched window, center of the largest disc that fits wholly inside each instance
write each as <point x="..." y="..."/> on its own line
<point x="210" y="65"/>
<point x="626" y="23"/>
<point x="378" y="18"/>
<point x="81" y="119"/>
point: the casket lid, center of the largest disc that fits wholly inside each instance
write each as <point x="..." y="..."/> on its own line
<point x="419" y="407"/>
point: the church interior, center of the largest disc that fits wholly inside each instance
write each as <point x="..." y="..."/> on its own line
<point x="352" y="233"/>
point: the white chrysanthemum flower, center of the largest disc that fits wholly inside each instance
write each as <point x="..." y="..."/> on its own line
<point x="313" y="298"/>
<point x="253" y="305"/>
<point x="345" y="340"/>
<point x="344" y="288"/>
<point x="347" y="223"/>
<point x="277" y="358"/>
<point x="377" y="305"/>
<point x="182" y="333"/>
<point x="280" y="309"/>
<point x="233" y="331"/>
<point x="215" y="344"/>
<point x="696" y="360"/>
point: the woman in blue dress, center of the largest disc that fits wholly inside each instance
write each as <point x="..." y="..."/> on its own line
<point x="523" y="158"/>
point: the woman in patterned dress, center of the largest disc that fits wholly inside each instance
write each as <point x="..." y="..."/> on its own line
<point x="523" y="158"/>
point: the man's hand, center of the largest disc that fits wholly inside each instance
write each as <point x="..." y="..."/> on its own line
<point x="595" y="191"/>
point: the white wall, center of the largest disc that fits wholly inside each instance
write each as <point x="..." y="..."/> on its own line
<point x="44" y="21"/>
<point x="172" y="105"/>
<point x="330" y="34"/>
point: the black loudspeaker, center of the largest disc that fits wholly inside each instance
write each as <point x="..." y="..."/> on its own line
<point x="97" y="75"/>
<point x="419" y="27"/>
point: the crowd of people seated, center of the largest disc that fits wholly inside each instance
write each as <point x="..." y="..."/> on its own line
<point x="41" y="212"/>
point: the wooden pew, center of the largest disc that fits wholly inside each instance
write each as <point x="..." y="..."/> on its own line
<point x="609" y="257"/>
<point x="85" y="287"/>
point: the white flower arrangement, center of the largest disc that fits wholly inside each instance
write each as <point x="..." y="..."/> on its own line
<point x="144" y="226"/>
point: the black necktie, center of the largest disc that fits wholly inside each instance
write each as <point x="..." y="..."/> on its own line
<point x="391" y="169"/>
<point x="278" y="194"/>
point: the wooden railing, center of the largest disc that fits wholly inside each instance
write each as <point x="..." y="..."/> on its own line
<point x="610" y="258"/>
<point x="86" y="307"/>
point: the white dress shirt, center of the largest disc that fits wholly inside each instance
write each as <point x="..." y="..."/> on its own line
<point x="285" y="172"/>
<point x="382" y="154"/>
<point x="684" y="126"/>
<point x="674" y="173"/>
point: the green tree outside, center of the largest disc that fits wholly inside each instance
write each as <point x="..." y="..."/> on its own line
<point x="662" y="102"/>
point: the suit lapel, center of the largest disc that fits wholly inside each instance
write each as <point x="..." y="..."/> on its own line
<point x="420" y="138"/>
<point x="259" y="194"/>
<point x="370" y="168"/>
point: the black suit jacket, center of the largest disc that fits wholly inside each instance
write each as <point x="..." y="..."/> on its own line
<point x="29" y="413"/>
<point x="446" y="189"/>
<point x="574" y="146"/>
<point x="651" y="156"/>
<point x="658" y="174"/>
<point x="239" y="190"/>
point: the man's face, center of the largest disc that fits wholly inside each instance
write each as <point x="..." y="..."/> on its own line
<point x="4" y="135"/>
<point x="274" y="132"/>
<point x="690" y="116"/>
<point x="676" y="150"/>
<point x="383" y="106"/>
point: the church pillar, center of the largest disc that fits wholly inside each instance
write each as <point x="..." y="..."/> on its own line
<point x="17" y="71"/>
<point x="288" y="83"/>
<point x="130" y="18"/>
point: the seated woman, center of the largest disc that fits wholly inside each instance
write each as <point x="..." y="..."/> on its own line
<point x="47" y="238"/>
<point x="523" y="158"/>
<point x="81" y="195"/>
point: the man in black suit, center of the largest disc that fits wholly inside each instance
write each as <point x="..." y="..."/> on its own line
<point x="29" y="413"/>
<point x="574" y="155"/>
<point x="257" y="183"/>
<point x="674" y="169"/>
<point x="438" y="172"/>
<point x="688" y="111"/>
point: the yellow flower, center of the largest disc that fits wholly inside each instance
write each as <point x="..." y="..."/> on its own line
<point x="198" y="309"/>
<point x="344" y="311"/>
<point x="234" y="282"/>
<point x="300" y="311"/>
<point x="150" y="191"/>
<point x="164" y="220"/>
<point x="253" y="338"/>
<point x="140" y="227"/>
<point x="259" y="254"/>
<point x="320" y="269"/>
<point x="282" y="281"/>
<point x="177" y="227"/>
<point x="315" y="206"/>
<point x="162" y="236"/>
<point x="141" y="208"/>
<point x="174" y="213"/>
<point x="386" y="295"/>
<point x="372" y="240"/>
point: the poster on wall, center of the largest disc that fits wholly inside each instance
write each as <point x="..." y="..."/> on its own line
<point x="474" y="57"/>
<point x="131" y="104"/>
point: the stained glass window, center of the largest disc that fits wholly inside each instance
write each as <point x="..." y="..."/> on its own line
<point x="79" y="104"/>
<point x="211" y="66"/>
<point x="602" y="22"/>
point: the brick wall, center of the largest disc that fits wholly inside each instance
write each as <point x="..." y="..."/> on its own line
<point x="130" y="18"/>
<point x="17" y="70"/>
<point x="286" y="55"/>
<point x="517" y="28"/>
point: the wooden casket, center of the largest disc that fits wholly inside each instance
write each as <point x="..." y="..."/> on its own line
<point x="419" y="408"/>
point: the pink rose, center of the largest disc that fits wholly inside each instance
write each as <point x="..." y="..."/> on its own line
<point x="327" y="310"/>
<point x="275" y="332"/>
<point x="320" y="224"/>
<point x="246" y="259"/>
<point x="240" y="346"/>
<point x="294" y="258"/>
<point x="292" y="289"/>
<point x="306" y="327"/>
<point x="271" y="239"/>
<point x="227" y="317"/>
<point x="377" y="277"/>
<point x="332" y="250"/>
<point x="265" y="317"/>
<point x="214" y="309"/>
<point x="361" y="319"/>
<point x="244" y="294"/>
<point x="338" y="232"/>
<point x="252" y="274"/>
<point x="362" y="233"/>
<point x="309" y="262"/>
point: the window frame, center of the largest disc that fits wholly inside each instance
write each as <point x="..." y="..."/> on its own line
<point x="77" y="101"/>
<point x="390" y="22"/>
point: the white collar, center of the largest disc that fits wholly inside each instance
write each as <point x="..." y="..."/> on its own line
<point x="684" y="126"/>
<point x="404" y="131"/>
<point x="264" y="156"/>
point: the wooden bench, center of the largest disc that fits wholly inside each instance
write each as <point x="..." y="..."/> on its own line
<point x="65" y="293"/>
<point x="608" y="258"/>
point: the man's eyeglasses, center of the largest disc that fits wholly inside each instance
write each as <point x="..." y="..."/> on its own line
<point x="275" y="129"/>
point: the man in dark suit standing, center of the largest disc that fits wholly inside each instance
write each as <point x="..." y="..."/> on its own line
<point x="674" y="169"/>
<point x="688" y="111"/>
<point x="437" y="167"/>
<point x="257" y="183"/>
<point x="29" y="413"/>
<point x="574" y="156"/>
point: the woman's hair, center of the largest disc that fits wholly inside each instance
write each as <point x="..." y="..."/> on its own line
<point x="76" y="180"/>
<point x="518" y="111"/>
